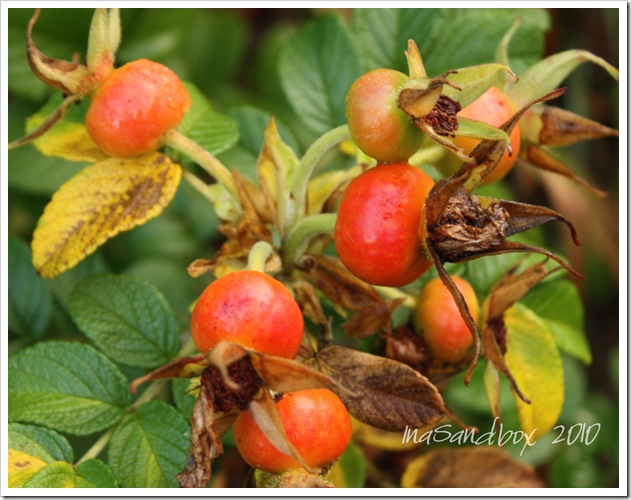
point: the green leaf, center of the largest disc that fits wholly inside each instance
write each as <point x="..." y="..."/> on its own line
<point x="32" y="172"/>
<point x="447" y="38"/>
<point x="184" y="400"/>
<point x="204" y="46"/>
<point x="466" y="37"/>
<point x="382" y="35"/>
<point x="66" y="386"/>
<point x="104" y="199"/>
<point x="548" y="74"/>
<point x="127" y="318"/>
<point x="559" y="304"/>
<point x="212" y="130"/>
<point x="534" y="360"/>
<point x="252" y="122"/>
<point x="92" y="473"/>
<point x="30" y="301"/>
<point x="317" y="67"/>
<point x="350" y="470"/>
<point x="40" y="442"/>
<point x="150" y="447"/>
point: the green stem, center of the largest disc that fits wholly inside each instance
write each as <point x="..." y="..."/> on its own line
<point x="395" y="293"/>
<point x="299" y="183"/>
<point x="301" y="233"/>
<point x="97" y="447"/>
<point x="205" y="160"/>
<point x="259" y="253"/>
<point x="199" y="185"/>
<point x="428" y="155"/>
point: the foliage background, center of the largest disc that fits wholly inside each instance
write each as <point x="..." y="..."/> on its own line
<point x="244" y="45"/>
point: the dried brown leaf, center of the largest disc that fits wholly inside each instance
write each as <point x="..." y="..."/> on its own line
<point x="393" y="394"/>
<point x="372" y="318"/>
<point x="469" y="467"/>
<point x="207" y="428"/>
<point x="310" y="305"/>
<point x="337" y="283"/>
<point x="405" y="345"/>
<point x="512" y="287"/>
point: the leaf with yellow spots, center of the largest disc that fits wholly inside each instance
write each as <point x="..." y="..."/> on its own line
<point x="21" y="467"/>
<point x="102" y="200"/>
<point x="59" y="131"/>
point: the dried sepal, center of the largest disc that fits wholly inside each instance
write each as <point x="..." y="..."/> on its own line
<point x="416" y="67"/>
<point x="461" y="226"/>
<point x="67" y="76"/>
<point x="207" y="427"/>
<point x="47" y="124"/>
<point x="394" y="396"/>
<point x="187" y="367"/>
<point x="343" y="289"/>
<point x="266" y="416"/>
<point x="462" y="307"/>
<point x="372" y="318"/>
<point x="560" y="127"/>
<point x="285" y="375"/>
<point x="506" y="292"/>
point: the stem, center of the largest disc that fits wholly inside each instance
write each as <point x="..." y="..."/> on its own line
<point x="300" y="235"/>
<point x="205" y="160"/>
<point x="259" y="253"/>
<point x="395" y="293"/>
<point x="199" y="185"/>
<point x="97" y="447"/>
<point x="428" y="155"/>
<point x="299" y="183"/>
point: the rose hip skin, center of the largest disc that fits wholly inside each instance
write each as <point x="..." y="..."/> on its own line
<point x="132" y="109"/>
<point x="377" y="125"/>
<point x="249" y="308"/>
<point x="440" y="320"/>
<point x="493" y="108"/>
<point x="379" y="229"/>
<point x="316" y="423"/>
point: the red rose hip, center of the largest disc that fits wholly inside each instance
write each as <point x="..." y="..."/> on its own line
<point x="316" y="423"/>
<point x="379" y="230"/>
<point x="440" y="321"/>
<point x="249" y="308"/>
<point x="132" y="109"/>
<point x="377" y="125"/>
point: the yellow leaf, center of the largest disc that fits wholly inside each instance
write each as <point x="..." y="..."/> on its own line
<point x="99" y="202"/>
<point x="68" y="140"/>
<point x="534" y="360"/>
<point x="21" y="467"/>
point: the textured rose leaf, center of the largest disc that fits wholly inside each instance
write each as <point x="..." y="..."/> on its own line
<point x="102" y="200"/>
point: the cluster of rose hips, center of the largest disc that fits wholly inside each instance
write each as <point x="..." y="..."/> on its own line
<point x="257" y="311"/>
<point x="380" y="228"/>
